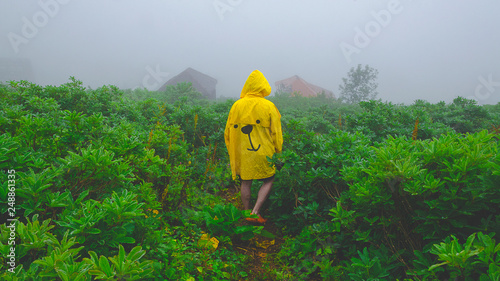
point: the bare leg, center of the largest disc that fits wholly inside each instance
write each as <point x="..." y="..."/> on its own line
<point x="246" y="193"/>
<point x="264" y="191"/>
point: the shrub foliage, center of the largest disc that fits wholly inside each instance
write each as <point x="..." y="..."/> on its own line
<point x="126" y="185"/>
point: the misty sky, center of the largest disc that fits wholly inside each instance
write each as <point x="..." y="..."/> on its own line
<point x="423" y="49"/>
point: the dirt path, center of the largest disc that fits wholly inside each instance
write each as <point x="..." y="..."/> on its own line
<point x="262" y="253"/>
<point x="261" y="250"/>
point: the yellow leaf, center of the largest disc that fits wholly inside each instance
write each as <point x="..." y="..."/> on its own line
<point x="262" y="255"/>
<point x="215" y="242"/>
<point x="207" y="242"/>
<point x="264" y="244"/>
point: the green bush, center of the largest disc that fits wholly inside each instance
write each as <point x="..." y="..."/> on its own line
<point x="124" y="184"/>
<point x="310" y="180"/>
<point x="224" y="220"/>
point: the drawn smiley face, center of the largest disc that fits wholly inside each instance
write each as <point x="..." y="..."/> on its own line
<point x="247" y="130"/>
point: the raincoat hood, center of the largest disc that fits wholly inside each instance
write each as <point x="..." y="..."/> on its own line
<point x="256" y="85"/>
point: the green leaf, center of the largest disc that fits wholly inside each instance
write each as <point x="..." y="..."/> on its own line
<point x="104" y="265"/>
<point x="135" y="254"/>
<point x="267" y="234"/>
<point x="437" y="265"/>
<point x="93" y="231"/>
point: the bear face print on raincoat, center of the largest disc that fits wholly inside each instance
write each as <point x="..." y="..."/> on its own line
<point x="253" y="130"/>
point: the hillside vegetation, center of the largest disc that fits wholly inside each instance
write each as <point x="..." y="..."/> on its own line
<point x="132" y="185"/>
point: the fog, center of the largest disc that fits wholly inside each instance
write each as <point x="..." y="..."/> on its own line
<point x="431" y="50"/>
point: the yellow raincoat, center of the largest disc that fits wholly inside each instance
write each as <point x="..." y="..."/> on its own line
<point x="253" y="130"/>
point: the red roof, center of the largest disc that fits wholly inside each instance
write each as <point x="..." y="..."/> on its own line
<point x="301" y="86"/>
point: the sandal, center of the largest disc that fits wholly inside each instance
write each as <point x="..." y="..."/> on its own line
<point x="260" y="220"/>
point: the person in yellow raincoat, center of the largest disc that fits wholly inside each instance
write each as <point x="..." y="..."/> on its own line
<point x="253" y="133"/>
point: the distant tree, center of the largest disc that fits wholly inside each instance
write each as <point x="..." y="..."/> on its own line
<point x="360" y="85"/>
